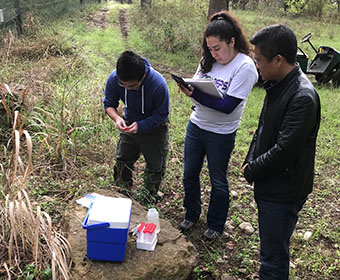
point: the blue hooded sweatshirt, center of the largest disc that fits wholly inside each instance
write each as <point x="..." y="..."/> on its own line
<point x="148" y="105"/>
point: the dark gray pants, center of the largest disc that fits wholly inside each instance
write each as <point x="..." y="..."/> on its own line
<point x="153" y="146"/>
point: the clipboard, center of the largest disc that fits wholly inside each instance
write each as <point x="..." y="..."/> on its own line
<point x="205" y="85"/>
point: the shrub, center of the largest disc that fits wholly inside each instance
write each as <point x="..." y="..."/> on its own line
<point x="178" y="29"/>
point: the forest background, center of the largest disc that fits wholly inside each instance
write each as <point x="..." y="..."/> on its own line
<point x="57" y="143"/>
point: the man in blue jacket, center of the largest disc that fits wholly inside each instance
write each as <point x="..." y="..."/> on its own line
<point x="280" y="161"/>
<point x="144" y="127"/>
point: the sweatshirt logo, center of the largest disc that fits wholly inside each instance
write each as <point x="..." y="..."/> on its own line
<point x="220" y="84"/>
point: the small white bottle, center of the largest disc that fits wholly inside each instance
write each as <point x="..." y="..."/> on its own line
<point x="153" y="217"/>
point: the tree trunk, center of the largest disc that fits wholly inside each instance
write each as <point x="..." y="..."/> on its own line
<point x="217" y="5"/>
<point x="254" y="5"/>
<point x="243" y="4"/>
<point x="145" y="3"/>
<point x="81" y="2"/>
<point x="18" y="16"/>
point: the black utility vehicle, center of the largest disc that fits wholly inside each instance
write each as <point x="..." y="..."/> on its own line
<point x="325" y="65"/>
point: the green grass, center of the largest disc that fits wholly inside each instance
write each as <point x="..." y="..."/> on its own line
<point x="180" y="60"/>
<point x="325" y="32"/>
<point x="78" y="140"/>
<point x="100" y="48"/>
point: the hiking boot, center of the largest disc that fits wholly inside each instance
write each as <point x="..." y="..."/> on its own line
<point x="210" y="235"/>
<point x="186" y="225"/>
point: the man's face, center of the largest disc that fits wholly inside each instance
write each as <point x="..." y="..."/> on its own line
<point x="268" y="69"/>
<point x="131" y="85"/>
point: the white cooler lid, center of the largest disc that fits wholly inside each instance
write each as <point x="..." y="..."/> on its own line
<point x="113" y="210"/>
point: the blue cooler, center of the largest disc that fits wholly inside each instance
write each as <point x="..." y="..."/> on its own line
<point x="107" y="226"/>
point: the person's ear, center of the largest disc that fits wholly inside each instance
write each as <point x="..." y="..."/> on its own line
<point x="280" y="60"/>
<point x="232" y="41"/>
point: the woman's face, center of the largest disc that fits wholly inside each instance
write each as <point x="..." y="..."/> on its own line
<point x="222" y="52"/>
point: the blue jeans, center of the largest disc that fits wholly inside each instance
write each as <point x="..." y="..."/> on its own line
<point x="217" y="147"/>
<point x="276" y="225"/>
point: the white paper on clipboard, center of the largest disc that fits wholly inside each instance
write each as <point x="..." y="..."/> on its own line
<point x="206" y="86"/>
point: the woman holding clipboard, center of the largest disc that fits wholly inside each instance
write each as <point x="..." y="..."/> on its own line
<point x="212" y="126"/>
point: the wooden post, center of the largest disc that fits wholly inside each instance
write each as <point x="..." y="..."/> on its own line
<point x="18" y="18"/>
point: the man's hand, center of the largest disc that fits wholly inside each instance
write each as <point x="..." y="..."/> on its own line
<point x="120" y="124"/>
<point x="133" y="128"/>
<point x="243" y="168"/>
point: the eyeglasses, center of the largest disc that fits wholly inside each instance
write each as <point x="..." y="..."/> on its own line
<point x="263" y="60"/>
<point x="131" y="85"/>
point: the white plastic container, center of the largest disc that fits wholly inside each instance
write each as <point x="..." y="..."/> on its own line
<point x="147" y="237"/>
<point x="153" y="217"/>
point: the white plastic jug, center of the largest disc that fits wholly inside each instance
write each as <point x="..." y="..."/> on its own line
<point x="153" y="217"/>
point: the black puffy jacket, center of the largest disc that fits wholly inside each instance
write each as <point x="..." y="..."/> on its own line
<point x="281" y="154"/>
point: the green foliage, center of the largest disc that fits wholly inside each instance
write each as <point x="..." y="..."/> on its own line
<point x="170" y="26"/>
<point x="295" y="6"/>
<point x="320" y="9"/>
<point x="30" y="273"/>
<point x="77" y="140"/>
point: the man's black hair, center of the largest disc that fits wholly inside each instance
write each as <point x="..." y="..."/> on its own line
<point x="276" y="39"/>
<point x="130" y="67"/>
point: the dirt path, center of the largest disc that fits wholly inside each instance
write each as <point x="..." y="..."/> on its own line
<point x="123" y="23"/>
<point x="100" y="20"/>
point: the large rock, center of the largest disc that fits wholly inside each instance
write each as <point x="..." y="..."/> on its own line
<point x="174" y="256"/>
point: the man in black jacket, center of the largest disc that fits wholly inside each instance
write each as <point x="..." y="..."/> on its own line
<point x="280" y="161"/>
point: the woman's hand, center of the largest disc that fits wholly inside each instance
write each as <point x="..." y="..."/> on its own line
<point x="185" y="90"/>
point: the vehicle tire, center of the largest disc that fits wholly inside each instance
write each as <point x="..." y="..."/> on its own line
<point x="323" y="78"/>
<point x="336" y="78"/>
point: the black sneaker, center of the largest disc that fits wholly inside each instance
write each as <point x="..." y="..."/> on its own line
<point x="186" y="225"/>
<point x="210" y="235"/>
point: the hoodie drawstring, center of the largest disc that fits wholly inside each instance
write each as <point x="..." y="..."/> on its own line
<point x="126" y="105"/>
<point x="142" y="99"/>
<point x="126" y="100"/>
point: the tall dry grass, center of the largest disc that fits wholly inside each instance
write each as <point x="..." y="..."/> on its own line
<point x="27" y="235"/>
<point x="16" y="164"/>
